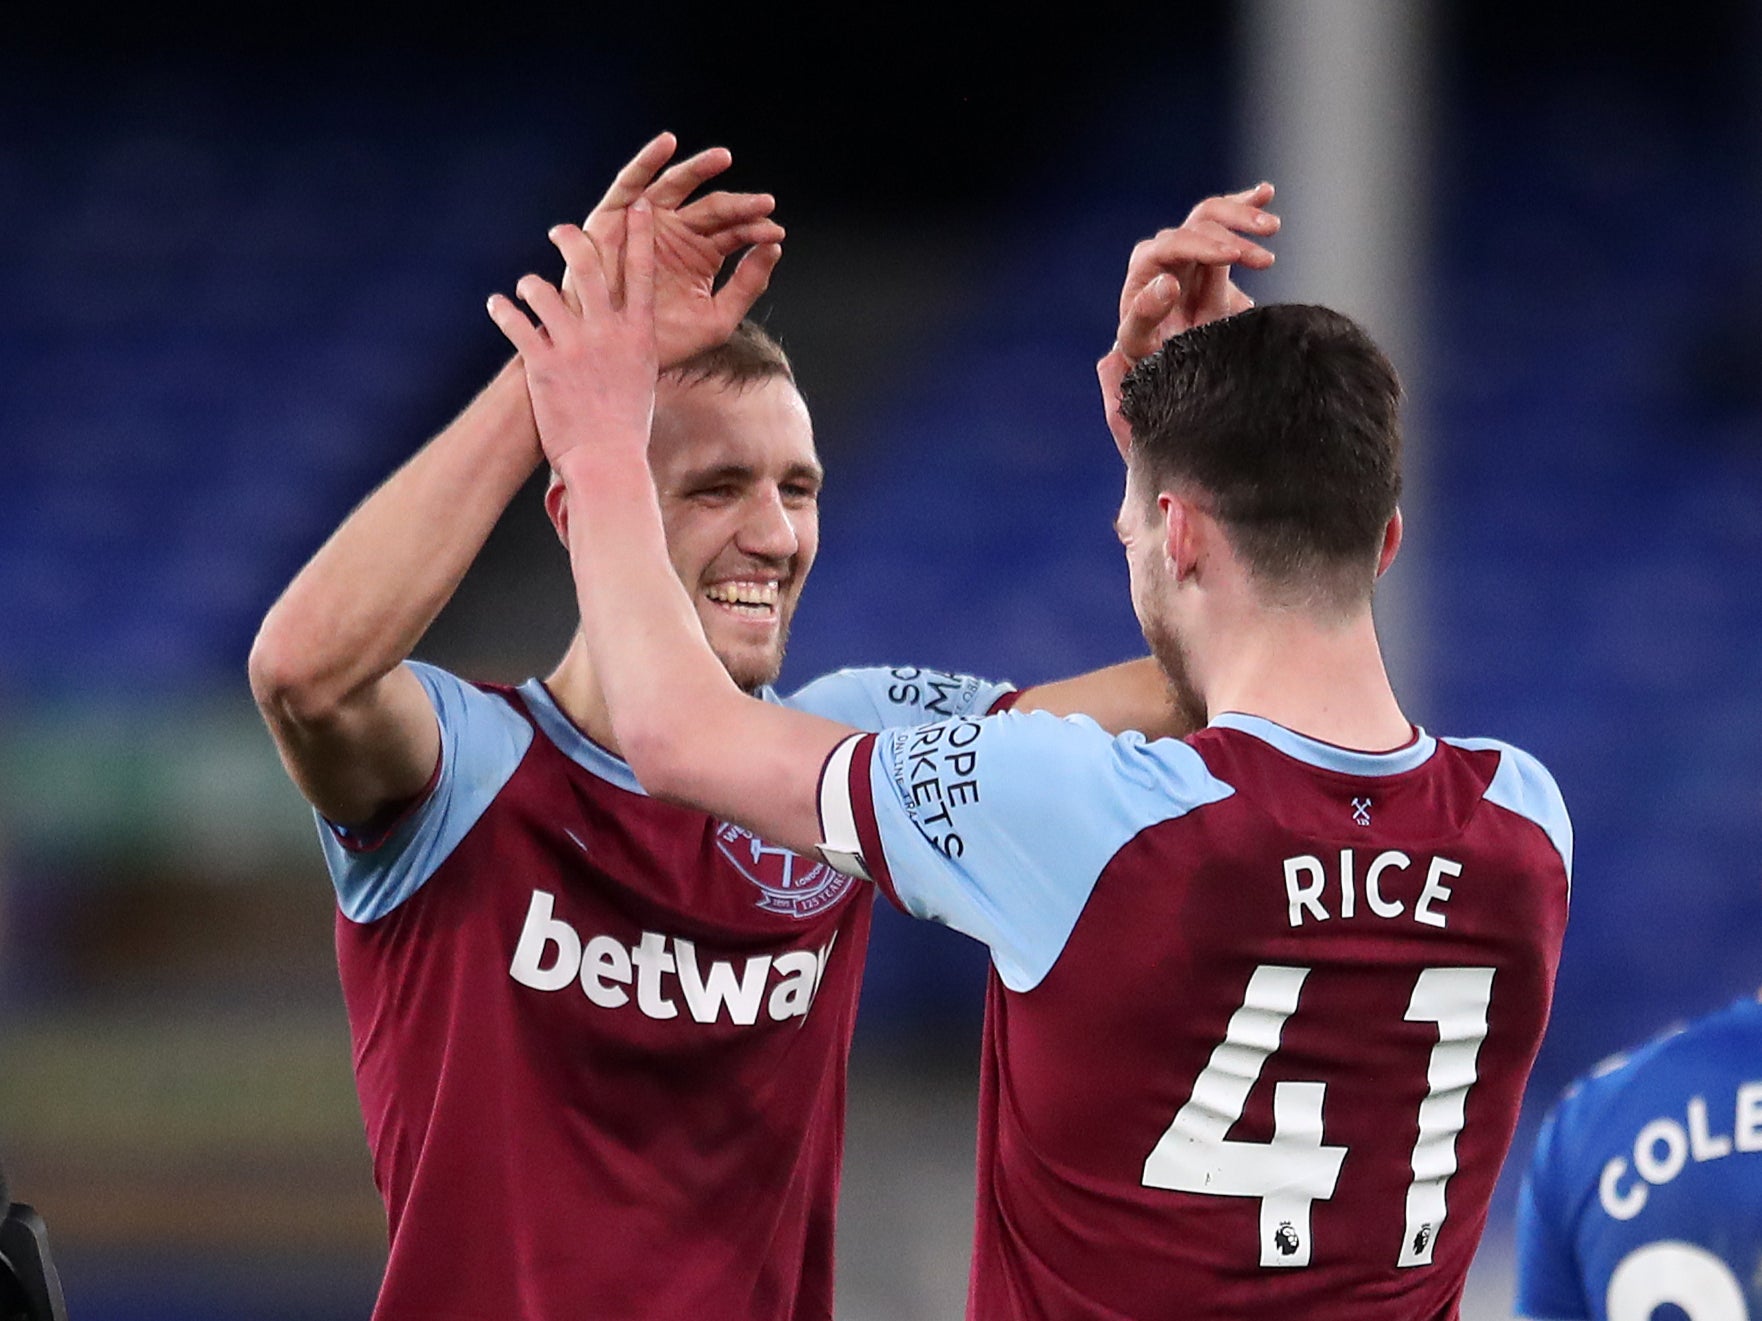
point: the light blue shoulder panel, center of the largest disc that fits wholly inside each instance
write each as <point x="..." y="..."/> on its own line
<point x="1522" y="785"/>
<point x="482" y="741"/>
<point x="1000" y="827"/>
<point x="875" y="699"/>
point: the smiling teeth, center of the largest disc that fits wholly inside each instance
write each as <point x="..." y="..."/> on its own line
<point x="762" y="594"/>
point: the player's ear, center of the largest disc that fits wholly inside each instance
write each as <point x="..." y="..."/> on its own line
<point x="557" y="507"/>
<point x="1391" y="542"/>
<point x="1183" y="533"/>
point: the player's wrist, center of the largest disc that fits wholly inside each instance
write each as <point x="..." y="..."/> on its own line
<point x="594" y="463"/>
<point x="678" y="344"/>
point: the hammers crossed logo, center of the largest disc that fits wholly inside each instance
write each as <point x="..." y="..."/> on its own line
<point x="1361" y="811"/>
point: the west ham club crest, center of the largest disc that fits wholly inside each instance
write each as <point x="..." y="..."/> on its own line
<point x="788" y="883"/>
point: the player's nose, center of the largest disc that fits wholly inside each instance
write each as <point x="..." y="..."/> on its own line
<point x="767" y="529"/>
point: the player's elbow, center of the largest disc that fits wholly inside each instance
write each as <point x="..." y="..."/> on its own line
<point x="288" y="686"/>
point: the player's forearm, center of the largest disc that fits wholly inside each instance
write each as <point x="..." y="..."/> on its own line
<point x="361" y="604"/>
<point x="644" y="639"/>
<point x="689" y="734"/>
<point x="1133" y="695"/>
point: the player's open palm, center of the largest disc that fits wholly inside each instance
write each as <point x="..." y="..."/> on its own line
<point x="590" y="360"/>
<point x="694" y="240"/>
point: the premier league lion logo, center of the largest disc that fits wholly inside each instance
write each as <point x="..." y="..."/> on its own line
<point x="788" y="883"/>
<point x="1285" y="1239"/>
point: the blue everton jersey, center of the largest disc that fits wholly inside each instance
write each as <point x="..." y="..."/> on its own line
<point x="1645" y="1190"/>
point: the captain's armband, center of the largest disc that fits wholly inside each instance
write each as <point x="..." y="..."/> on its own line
<point x="841" y="847"/>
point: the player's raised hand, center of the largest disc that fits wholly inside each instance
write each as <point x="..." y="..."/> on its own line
<point x="1180" y="278"/>
<point x="1190" y="269"/>
<point x="590" y="360"/>
<point x="693" y="242"/>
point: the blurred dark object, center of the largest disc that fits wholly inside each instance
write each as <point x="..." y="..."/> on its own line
<point x="30" y="1290"/>
<point x="1724" y="364"/>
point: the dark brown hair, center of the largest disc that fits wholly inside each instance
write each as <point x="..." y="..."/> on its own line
<point x="1287" y="418"/>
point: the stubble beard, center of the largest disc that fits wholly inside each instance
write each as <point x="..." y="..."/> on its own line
<point x="1170" y="650"/>
<point x="751" y="674"/>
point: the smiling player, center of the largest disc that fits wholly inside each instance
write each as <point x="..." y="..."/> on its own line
<point x="600" y="1039"/>
<point x="1263" y="999"/>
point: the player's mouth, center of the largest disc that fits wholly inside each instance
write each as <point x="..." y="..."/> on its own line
<point x="746" y="598"/>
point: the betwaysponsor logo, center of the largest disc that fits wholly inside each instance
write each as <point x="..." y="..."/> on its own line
<point x="659" y="973"/>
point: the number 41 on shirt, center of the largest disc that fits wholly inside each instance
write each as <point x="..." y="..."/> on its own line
<point x="1297" y="1169"/>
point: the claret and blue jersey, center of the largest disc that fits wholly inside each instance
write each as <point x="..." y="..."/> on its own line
<point x="599" y="1039"/>
<point x="1261" y="1011"/>
<point x="1645" y="1187"/>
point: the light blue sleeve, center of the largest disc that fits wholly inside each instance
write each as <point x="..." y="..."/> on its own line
<point x="1522" y="785"/>
<point x="482" y="741"/>
<point x="1000" y="827"/>
<point x="1549" y="1284"/>
<point x="875" y="699"/>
